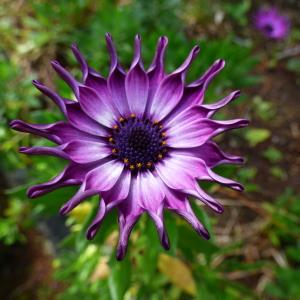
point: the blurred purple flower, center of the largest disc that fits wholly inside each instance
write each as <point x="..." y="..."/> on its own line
<point x="140" y="140"/>
<point x="272" y="24"/>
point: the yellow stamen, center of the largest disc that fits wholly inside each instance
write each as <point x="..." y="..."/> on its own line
<point x="155" y="122"/>
<point x="126" y="160"/>
<point x="160" y="126"/>
<point x="163" y="134"/>
<point x="131" y="167"/>
<point x="132" y="115"/>
<point x="160" y="156"/>
<point x="149" y="164"/>
<point x="164" y="143"/>
<point x="139" y="165"/>
<point x="114" y="150"/>
<point x="110" y="139"/>
<point x="115" y="127"/>
<point x="121" y="119"/>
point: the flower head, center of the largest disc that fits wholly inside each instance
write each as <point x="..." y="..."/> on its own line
<point x="272" y="24"/>
<point x="140" y="140"/>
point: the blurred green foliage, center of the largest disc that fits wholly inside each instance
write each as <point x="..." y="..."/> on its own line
<point x="35" y="32"/>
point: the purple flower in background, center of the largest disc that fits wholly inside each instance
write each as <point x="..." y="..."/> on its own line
<point x="272" y="24"/>
<point x="140" y="140"/>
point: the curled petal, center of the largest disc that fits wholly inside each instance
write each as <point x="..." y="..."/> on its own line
<point x="52" y="151"/>
<point x="59" y="101"/>
<point x="214" y="107"/>
<point x="101" y="178"/>
<point x="178" y="203"/>
<point x="66" y="76"/>
<point x="72" y="175"/>
<point x="76" y="199"/>
<point x="116" y="80"/>
<point x="193" y="93"/>
<point x="212" y="155"/>
<point x="119" y="191"/>
<point x="111" y="199"/>
<point x="170" y="90"/>
<point x="60" y="132"/>
<point x="83" y="64"/>
<point x="192" y="132"/>
<point x="126" y="225"/>
<point x="136" y="83"/>
<point x="94" y="227"/>
<point x="202" y="83"/>
<point x="159" y="224"/>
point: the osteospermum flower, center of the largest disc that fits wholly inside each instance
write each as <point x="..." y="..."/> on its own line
<point x="140" y="140"/>
<point x="272" y="24"/>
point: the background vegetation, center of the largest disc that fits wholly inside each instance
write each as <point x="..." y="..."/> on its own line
<point x="254" y="252"/>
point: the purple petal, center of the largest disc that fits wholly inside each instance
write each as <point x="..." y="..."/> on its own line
<point x="73" y="174"/>
<point x="104" y="177"/>
<point x="212" y="155"/>
<point x="126" y="225"/>
<point x="207" y="77"/>
<point x="150" y="191"/>
<point x="214" y="107"/>
<point x="83" y="64"/>
<point x="95" y="107"/>
<point x="59" y="101"/>
<point x="159" y="224"/>
<point x="59" y="132"/>
<point x="80" y="120"/>
<point x="52" y="151"/>
<point x="116" y="80"/>
<point x="66" y="76"/>
<point x="170" y="89"/>
<point x="83" y="152"/>
<point x="192" y="132"/>
<point x="120" y="190"/>
<point x="189" y="169"/>
<point x="76" y="199"/>
<point x="156" y="71"/>
<point x="111" y="198"/>
<point x="178" y="203"/>
<point x="136" y="83"/>
<point x="94" y="227"/>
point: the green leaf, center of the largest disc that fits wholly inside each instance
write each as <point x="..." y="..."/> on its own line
<point x="120" y="278"/>
<point x="257" y="135"/>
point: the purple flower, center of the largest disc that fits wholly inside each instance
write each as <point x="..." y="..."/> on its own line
<point x="272" y="24"/>
<point x="140" y="140"/>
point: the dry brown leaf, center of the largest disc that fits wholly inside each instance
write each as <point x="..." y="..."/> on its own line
<point x="177" y="272"/>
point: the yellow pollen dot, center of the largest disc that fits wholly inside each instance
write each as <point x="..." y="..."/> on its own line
<point x="126" y="160"/>
<point x="164" y="143"/>
<point x="164" y="134"/>
<point x="132" y="115"/>
<point x="121" y="119"/>
<point x="114" y="150"/>
<point x="110" y="139"/>
<point x="139" y="165"/>
<point x="149" y="164"/>
<point x="160" y="126"/>
<point x="131" y="167"/>
<point x="155" y="122"/>
<point x="115" y="127"/>
<point x="160" y="156"/>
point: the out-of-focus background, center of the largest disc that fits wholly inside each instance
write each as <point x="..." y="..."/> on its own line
<point x="254" y="252"/>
